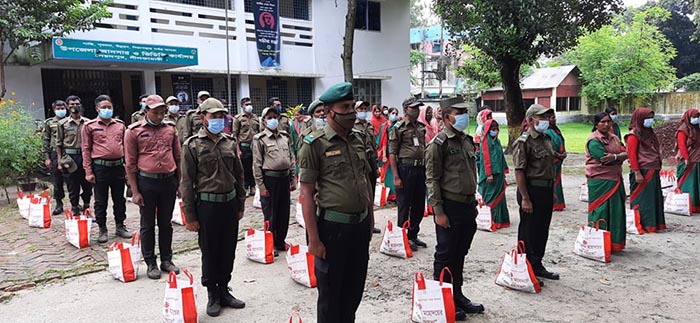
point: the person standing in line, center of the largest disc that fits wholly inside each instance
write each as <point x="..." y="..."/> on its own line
<point x="213" y="199"/>
<point x="69" y="143"/>
<point x="152" y="159"/>
<point x="406" y="153"/>
<point x="425" y="116"/>
<point x="389" y="175"/>
<point x="337" y="206"/>
<point x="493" y="168"/>
<point x="645" y="163"/>
<point x="173" y="113"/>
<point x="533" y="157"/>
<point x="48" y="138"/>
<point x="481" y="118"/>
<point x="612" y="112"/>
<point x="361" y="124"/>
<point x="103" y="161"/>
<point x="316" y="122"/>
<point x="688" y="157"/>
<point x="245" y="126"/>
<point x="450" y="162"/>
<point x="273" y="168"/>
<point x="606" y="190"/>
<point x="276" y="104"/>
<point x="193" y="121"/>
<point x="558" y="144"/>
<point x="141" y="113"/>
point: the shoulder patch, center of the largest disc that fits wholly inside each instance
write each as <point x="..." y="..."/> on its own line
<point x="169" y="123"/>
<point x="91" y="121"/>
<point x="134" y="125"/>
<point x="312" y="136"/>
<point x="259" y="135"/>
<point x="439" y="139"/>
<point x="398" y="124"/>
<point x="523" y="137"/>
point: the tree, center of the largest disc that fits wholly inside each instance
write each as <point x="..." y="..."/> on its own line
<point x="518" y="32"/>
<point x="417" y="17"/>
<point x="349" y="40"/>
<point x="679" y="29"/>
<point x="689" y="83"/>
<point x="24" y="22"/>
<point x="625" y="58"/>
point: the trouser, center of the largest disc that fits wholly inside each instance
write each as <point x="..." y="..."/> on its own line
<point x="106" y="179"/>
<point x="218" y="235"/>
<point x="453" y="243"/>
<point x="57" y="179"/>
<point x="75" y="181"/>
<point x="534" y="227"/>
<point x="276" y="208"/>
<point x="159" y="200"/>
<point x="247" y="161"/>
<point x="340" y="278"/>
<point x="411" y="198"/>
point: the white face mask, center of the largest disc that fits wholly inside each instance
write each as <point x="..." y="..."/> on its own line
<point x="174" y="109"/>
<point x="248" y="108"/>
<point x="613" y="117"/>
<point x="542" y="126"/>
<point x="320" y="122"/>
<point x="695" y="120"/>
<point x="648" y="122"/>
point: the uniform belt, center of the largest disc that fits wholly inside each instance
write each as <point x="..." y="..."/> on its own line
<point x="340" y="217"/>
<point x="458" y="197"/>
<point x="108" y="163"/>
<point x="217" y="197"/>
<point x="72" y="151"/>
<point x="541" y="182"/>
<point x="276" y="173"/>
<point x="245" y="144"/>
<point x="411" y="162"/>
<point x="156" y="175"/>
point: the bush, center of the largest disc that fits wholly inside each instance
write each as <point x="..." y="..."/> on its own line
<point x="689" y="83"/>
<point x="20" y="145"/>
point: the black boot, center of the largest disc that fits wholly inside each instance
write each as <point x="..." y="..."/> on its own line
<point x="59" y="207"/>
<point x="229" y="300"/>
<point x="214" y="302"/>
<point x="102" y="238"/>
<point x="466" y="305"/>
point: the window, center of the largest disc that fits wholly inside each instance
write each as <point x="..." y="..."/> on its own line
<point x="368" y="15"/>
<point x="496" y="105"/>
<point x="294" y="9"/>
<point x="574" y="103"/>
<point x="368" y="90"/>
<point x="562" y="104"/>
<point x="219" y="4"/>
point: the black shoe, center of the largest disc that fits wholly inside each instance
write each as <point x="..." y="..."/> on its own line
<point x="460" y="315"/>
<point x="214" y="302"/>
<point x="122" y="232"/>
<point x="153" y="272"/>
<point x="275" y="253"/>
<point x="102" y="238"/>
<point x="76" y="211"/>
<point x="168" y="266"/>
<point x="376" y="230"/>
<point x="467" y="306"/>
<point x="420" y="243"/>
<point x="228" y="300"/>
<point x="539" y="281"/>
<point x="546" y="274"/>
<point x="59" y="208"/>
<point x="412" y="244"/>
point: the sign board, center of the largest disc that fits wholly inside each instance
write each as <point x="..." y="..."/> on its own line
<point x="65" y="48"/>
<point x="267" y="32"/>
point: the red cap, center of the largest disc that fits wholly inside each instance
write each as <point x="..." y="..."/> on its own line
<point x="154" y="101"/>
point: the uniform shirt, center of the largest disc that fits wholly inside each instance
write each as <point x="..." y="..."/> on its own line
<point x="533" y="154"/>
<point x="285" y="125"/>
<point x="175" y="120"/>
<point x="271" y="152"/>
<point x="211" y="167"/>
<point x="339" y="168"/>
<point x="138" y="116"/>
<point x="367" y="131"/>
<point x="407" y="140"/>
<point x="450" y="166"/>
<point x="193" y="123"/>
<point x="69" y="132"/>
<point x="152" y="149"/>
<point x="102" y="140"/>
<point x="49" y="135"/>
<point x="245" y="126"/>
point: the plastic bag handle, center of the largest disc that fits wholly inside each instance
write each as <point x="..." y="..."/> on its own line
<point x="389" y="225"/>
<point x="521" y="246"/>
<point x="20" y="193"/>
<point x="88" y="212"/>
<point x="442" y="273"/>
<point x="420" y="280"/>
<point x="266" y="227"/>
<point x="172" y="279"/>
<point x="134" y="238"/>
<point x="406" y="224"/>
<point x="189" y="275"/>
<point x="69" y="215"/>
<point x="597" y="224"/>
<point x="514" y="253"/>
<point x="297" y="315"/>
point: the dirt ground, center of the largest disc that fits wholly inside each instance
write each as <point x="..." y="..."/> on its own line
<point x="656" y="279"/>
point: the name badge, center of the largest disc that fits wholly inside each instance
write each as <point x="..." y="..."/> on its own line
<point x="416" y="143"/>
<point x="332" y="153"/>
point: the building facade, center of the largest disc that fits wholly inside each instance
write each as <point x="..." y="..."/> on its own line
<point x="311" y="33"/>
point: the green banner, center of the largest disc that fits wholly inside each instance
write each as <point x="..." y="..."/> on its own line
<point x="65" y="48"/>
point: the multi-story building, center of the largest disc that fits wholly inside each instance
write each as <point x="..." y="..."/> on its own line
<point x="150" y="46"/>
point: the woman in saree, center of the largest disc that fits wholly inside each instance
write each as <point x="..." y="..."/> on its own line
<point x="481" y="118"/>
<point x="425" y="117"/>
<point x="688" y="157"/>
<point x="298" y="125"/>
<point x="559" y="155"/>
<point x="604" y="157"/>
<point x="645" y="163"/>
<point x="492" y="175"/>
<point x="612" y="112"/>
<point x="388" y="173"/>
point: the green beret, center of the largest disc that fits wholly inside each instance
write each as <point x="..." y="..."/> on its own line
<point x="314" y="105"/>
<point x="338" y="92"/>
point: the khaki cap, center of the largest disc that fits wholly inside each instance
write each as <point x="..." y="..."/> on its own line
<point x="212" y="105"/>
<point x="203" y="93"/>
<point x="170" y="99"/>
<point x="536" y="109"/>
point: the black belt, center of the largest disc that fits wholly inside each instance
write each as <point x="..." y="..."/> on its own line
<point x="245" y="144"/>
<point x="411" y="162"/>
<point x="276" y="173"/>
<point x="217" y="197"/>
<point x="156" y="175"/>
<point x="541" y="182"/>
<point x="340" y="217"/>
<point x="72" y="151"/>
<point x="108" y="163"/>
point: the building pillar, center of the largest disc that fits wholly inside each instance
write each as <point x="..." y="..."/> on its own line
<point x="553" y="103"/>
<point x="149" y="81"/>
<point x="243" y="89"/>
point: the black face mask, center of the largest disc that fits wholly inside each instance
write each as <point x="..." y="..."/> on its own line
<point x="75" y="109"/>
<point x="345" y="120"/>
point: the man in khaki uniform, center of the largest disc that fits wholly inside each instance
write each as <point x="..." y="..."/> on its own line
<point x="361" y="124"/>
<point x="273" y="166"/>
<point x="450" y="167"/>
<point x="245" y="126"/>
<point x="173" y="113"/>
<point x="316" y="122"/>
<point x="337" y="206"/>
<point x="141" y="113"/>
<point x="533" y="158"/>
<point x="68" y="142"/>
<point x="48" y="137"/>
<point x="276" y="104"/>
<point x="406" y="152"/>
<point x="193" y="121"/>
<point x="213" y="199"/>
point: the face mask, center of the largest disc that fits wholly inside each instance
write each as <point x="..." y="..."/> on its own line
<point x="75" y="110"/>
<point x="542" y="126"/>
<point x="248" y="108"/>
<point x="393" y="117"/>
<point x="173" y="109"/>
<point x="151" y="122"/>
<point x="106" y="113"/>
<point x="278" y="108"/>
<point x="493" y="133"/>
<point x="613" y="117"/>
<point x="362" y="115"/>
<point x="648" y="122"/>
<point x="143" y="106"/>
<point x="345" y="120"/>
<point x="320" y="122"/>
<point x="272" y="124"/>
<point x="461" y="122"/>
<point x="412" y="114"/>
<point x="215" y="126"/>
<point x="385" y="112"/>
<point x="695" y="120"/>
<point x="60" y="113"/>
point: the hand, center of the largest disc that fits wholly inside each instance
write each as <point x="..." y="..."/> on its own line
<point x="317" y="249"/>
<point x="240" y="215"/>
<point x="442" y="220"/>
<point x="137" y="199"/>
<point x="90" y="178"/>
<point x="384" y="160"/>
<point x="265" y="193"/>
<point x="178" y="193"/>
<point x="638" y="177"/>
<point x="47" y="163"/>
<point x="60" y="168"/>
<point x="489" y="179"/>
<point x="563" y="155"/>
<point x="526" y="205"/>
<point x="607" y="158"/>
<point x="293" y="186"/>
<point x="192" y="226"/>
<point x="398" y="184"/>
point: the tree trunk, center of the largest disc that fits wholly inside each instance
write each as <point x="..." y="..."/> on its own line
<point x="513" y="97"/>
<point x="2" y="72"/>
<point x="348" y="40"/>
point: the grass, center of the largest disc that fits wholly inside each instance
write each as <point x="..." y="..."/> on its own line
<point x="574" y="133"/>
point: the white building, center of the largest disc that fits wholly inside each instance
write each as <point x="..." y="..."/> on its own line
<point x="311" y="32"/>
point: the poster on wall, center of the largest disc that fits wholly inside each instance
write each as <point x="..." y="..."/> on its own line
<point x="182" y="88"/>
<point x="267" y="32"/>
